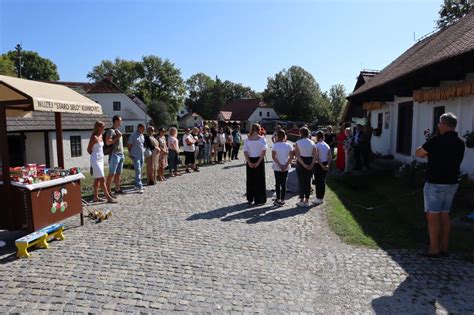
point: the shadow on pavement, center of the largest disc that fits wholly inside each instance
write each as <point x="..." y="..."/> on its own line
<point x="432" y="287"/>
<point x="218" y="213"/>
<point x="278" y="215"/>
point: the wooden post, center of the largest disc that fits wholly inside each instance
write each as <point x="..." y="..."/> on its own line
<point x="59" y="139"/>
<point x="5" y="168"/>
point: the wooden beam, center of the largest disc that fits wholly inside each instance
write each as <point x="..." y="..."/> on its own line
<point x="6" y="203"/>
<point x="59" y="139"/>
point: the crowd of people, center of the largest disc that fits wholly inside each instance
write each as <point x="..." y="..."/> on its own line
<point x="158" y="151"/>
<point x="353" y="147"/>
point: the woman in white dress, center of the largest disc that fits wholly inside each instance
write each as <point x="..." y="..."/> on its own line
<point x="95" y="149"/>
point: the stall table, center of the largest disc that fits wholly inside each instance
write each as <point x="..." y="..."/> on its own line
<point x="31" y="207"/>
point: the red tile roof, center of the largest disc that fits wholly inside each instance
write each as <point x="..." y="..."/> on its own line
<point x="452" y="41"/>
<point x="104" y="86"/>
<point x="244" y="108"/>
<point x="226" y="115"/>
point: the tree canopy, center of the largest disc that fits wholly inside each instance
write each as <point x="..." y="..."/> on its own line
<point x="337" y="98"/>
<point x="33" y="66"/>
<point x="295" y="95"/>
<point x="207" y="96"/>
<point x="156" y="81"/>
<point x="6" y="66"/>
<point x="453" y="10"/>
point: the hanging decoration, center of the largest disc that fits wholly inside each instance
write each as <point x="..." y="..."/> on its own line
<point x="369" y="106"/>
<point x="465" y="88"/>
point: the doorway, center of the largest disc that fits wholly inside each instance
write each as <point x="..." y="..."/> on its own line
<point x="16" y="147"/>
<point x="405" y="128"/>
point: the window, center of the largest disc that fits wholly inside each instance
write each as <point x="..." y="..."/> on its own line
<point x="76" y="149"/>
<point x="117" y="106"/>
<point x="379" y="124"/>
<point x="128" y="129"/>
<point x="437" y="112"/>
<point x="260" y="114"/>
<point x="268" y="114"/>
<point x="195" y="118"/>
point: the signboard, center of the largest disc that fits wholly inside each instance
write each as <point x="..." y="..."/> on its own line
<point x="47" y="105"/>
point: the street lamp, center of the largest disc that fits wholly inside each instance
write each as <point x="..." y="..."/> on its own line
<point x="18" y="49"/>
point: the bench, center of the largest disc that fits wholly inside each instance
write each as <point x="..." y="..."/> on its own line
<point x="38" y="239"/>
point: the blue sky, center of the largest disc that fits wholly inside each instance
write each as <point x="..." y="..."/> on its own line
<point x="240" y="40"/>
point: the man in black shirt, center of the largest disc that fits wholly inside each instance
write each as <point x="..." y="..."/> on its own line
<point x="445" y="153"/>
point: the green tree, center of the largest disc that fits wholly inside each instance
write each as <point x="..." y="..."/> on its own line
<point x="199" y="87"/>
<point x="6" y="66"/>
<point x="33" y="66"/>
<point x="125" y="73"/>
<point x="337" y="98"/>
<point x="160" y="114"/>
<point x="453" y="10"/>
<point x="160" y="80"/>
<point x="295" y="94"/>
<point x="236" y="91"/>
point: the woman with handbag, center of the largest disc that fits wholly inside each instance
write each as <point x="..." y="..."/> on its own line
<point x="152" y="152"/>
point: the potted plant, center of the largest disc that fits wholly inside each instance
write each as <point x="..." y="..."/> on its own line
<point x="469" y="138"/>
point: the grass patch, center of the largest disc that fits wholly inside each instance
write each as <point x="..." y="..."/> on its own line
<point x="400" y="220"/>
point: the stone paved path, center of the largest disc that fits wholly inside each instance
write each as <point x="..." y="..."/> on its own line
<point x="191" y="245"/>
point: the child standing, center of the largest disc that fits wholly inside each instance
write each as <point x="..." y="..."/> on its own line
<point x="321" y="167"/>
<point x="282" y="154"/>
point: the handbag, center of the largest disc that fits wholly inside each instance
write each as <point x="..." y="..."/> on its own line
<point x="148" y="152"/>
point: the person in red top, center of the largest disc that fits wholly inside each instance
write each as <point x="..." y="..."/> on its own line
<point x="341" y="159"/>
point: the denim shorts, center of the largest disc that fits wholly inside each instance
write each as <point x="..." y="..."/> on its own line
<point x="115" y="163"/>
<point x="439" y="197"/>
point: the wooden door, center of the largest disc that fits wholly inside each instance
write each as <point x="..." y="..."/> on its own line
<point x="405" y="128"/>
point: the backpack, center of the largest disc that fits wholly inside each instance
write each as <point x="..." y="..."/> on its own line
<point x="108" y="148"/>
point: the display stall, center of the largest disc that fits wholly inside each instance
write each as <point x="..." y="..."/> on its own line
<point x="34" y="196"/>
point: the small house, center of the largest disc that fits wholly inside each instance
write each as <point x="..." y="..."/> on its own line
<point x="247" y="112"/>
<point x="434" y="76"/>
<point x="190" y="120"/>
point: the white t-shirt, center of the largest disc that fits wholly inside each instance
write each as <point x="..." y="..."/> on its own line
<point x="282" y="150"/>
<point x="323" y="150"/>
<point x="305" y="146"/>
<point x="188" y="147"/>
<point x="254" y="148"/>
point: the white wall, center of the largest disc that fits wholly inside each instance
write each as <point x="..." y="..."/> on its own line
<point x="381" y="144"/>
<point x="463" y="108"/>
<point x="34" y="147"/>
<point x="265" y="111"/>
<point x="131" y="114"/>
<point x="190" y="122"/>
<point x="83" y="161"/>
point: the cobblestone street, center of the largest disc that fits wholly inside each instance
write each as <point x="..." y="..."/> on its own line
<point x="192" y="245"/>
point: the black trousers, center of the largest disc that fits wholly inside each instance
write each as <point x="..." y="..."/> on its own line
<point x="235" y="150"/>
<point x="219" y="155"/>
<point x="304" y="178"/>
<point x="357" y="157"/>
<point x="320" y="178"/>
<point x="228" y="150"/>
<point x="280" y="184"/>
<point x="365" y="153"/>
<point x="256" y="187"/>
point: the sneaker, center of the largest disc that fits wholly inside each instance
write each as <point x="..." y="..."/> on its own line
<point x="317" y="201"/>
<point x="276" y="203"/>
<point x="307" y="204"/>
<point x="140" y="191"/>
<point x="282" y="202"/>
<point x="301" y="204"/>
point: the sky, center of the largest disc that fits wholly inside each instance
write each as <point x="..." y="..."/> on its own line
<point x="243" y="41"/>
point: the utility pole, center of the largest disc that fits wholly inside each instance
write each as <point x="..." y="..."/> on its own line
<point x="18" y="49"/>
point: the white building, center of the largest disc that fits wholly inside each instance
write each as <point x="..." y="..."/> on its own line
<point x="33" y="139"/>
<point x="190" y="120"/>
<point x="433" y="77"/>
<point x="114" y="102"/>
<point x="247" y="112"/>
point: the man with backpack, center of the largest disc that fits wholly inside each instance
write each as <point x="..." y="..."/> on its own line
<point x="114" y="148"/>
